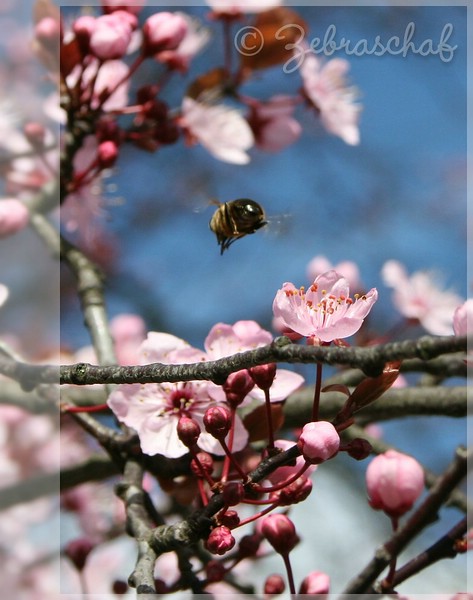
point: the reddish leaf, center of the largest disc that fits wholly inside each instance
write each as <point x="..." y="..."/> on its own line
<point x="372" y="388"/>
<point x="70" y="56"/>
<point x="213" y="81"/>
<point x="276" y="32"/>
<point x="337" y="387"/>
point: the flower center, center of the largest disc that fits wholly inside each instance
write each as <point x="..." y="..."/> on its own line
<point x="180" y="400"/>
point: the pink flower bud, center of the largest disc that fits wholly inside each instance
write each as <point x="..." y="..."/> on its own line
<point x="274" y="585"/>
<point x="318" y="441"/>
<point x="131" y="6"/>
<point x="163" y="31"/>
<point x="78" y="550"/>
<point x="263" y="375"/>
<point x="188" y="431"/>
<point x="280" y="532"/>
<point x="48" y="33"/>
<point x="107" y="154"/>
<point x="316" y="583"/>
<point x="220" y="540"/>
<point x="217" y="421"/>
<point x="237" y="386"/>
<point x="394" y="482"/>
<point x="35" y="134"/>
<point x="14" y="216"/>
<point x="111" y="36"/>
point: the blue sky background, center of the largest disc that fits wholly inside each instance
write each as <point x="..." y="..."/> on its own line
<point x="400" y="194"/>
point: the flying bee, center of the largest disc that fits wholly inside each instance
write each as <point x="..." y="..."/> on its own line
<point x="234" y="219"/>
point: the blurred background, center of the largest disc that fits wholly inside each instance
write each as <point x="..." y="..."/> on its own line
<point x="400" y="194"/>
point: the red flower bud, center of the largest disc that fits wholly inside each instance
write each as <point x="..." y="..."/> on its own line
<point x="274" y="585"/>
<point x="237" y="386"/>
<point x="359" y="449"/>
<point x="249" y="545"/>
<point x="188" y="431"/>
<point x="220" y="540"/>
<point x="120" y="587"/>
<point x="217" y="421"/>
<point x="280" y="532"/>
<point x="206" y="463"/>
<point x="229" y="518"/>
<point x="214" y="571"/>
<point x="233" y="493"/>
<point x="263" y="375"/>
<point x="78" y="550"/>
<point x="296" y="492"/>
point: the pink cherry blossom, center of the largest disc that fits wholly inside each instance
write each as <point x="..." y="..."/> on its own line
<point x="325" y="312"/>
<point x="318" y="441"/>
<point x="325" y="87"/>
<point x="320" y="264"/>
<point x="14" y="216"/>
<point x="225" y="340"/>
<point x="394" y="482"/>
<point x="220" y="129"/>
<point x="154" y="409"/>
<point x="128" y="332"/>
<point x="109" y="78"/>
<point x="272" y="123"/>
<point x="463" y="318"/>
<point x="419" y="297"/>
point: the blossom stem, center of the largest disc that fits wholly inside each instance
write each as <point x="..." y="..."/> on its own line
<point x="229" y="458"/>
<point x="203" y="494"/>
<point x="269" y="418"/>
<point x="84" y="409"/>
<point x="392" y="565"/>
<point x="128" y="75"/>
<point x="283" y="484"/>
<point x="318" y="387"/>
<point x="259" y="514"/>
<point x="290" y="576"/>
